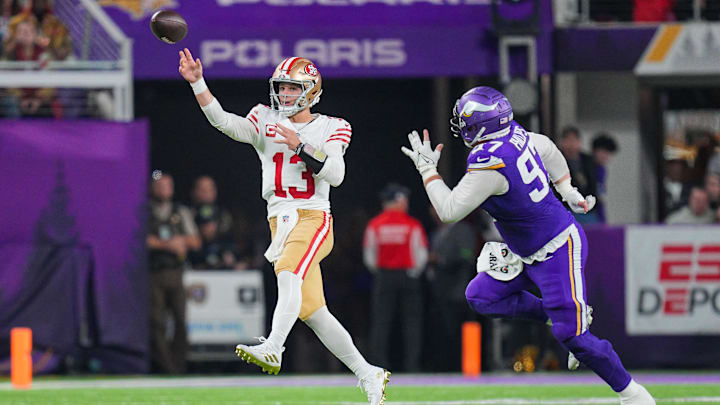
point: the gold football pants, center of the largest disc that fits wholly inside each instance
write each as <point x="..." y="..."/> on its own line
<point x="310" y="241"/>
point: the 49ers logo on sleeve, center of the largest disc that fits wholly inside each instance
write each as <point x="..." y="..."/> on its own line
<point x="311" y="70"/>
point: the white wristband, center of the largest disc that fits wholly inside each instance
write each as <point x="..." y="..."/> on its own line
<point x="565" y="189"/>
<point x="199" y="86"/>
<point x="426" y="174"/>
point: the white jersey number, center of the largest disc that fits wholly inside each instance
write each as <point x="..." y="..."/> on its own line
<point x="530" y="174"/>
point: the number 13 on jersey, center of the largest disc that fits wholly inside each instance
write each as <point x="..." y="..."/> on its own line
<point x="280" y="191"/>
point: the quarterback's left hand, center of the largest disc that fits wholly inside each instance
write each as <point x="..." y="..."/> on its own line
<point x="287" y="136"/>
<point x="422" y="154"/>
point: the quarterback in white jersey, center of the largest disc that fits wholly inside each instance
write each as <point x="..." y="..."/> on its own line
<point x="302" y="156"/>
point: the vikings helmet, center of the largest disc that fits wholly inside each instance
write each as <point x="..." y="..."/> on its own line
<point x="481" y="113"/>
<point x="298" y="71"/>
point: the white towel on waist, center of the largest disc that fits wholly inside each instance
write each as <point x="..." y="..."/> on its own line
<point x="499" y="262"/>
<point x="286" y="221"/>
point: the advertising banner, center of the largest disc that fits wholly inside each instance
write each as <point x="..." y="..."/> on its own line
<point x="224" y="307"/>
<point x="672" y="280"/>
<point x="345" y="38"/>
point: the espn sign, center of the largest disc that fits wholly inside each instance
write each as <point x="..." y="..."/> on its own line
<point x="672" y="280"/>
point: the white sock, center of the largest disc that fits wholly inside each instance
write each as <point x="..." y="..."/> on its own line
<point x="630" y="390"/>
<point x="337" y="339"/>
<point x="287" y="308"/>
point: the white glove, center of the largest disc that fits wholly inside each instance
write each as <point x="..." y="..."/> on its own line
<point x="422" y="154"/>
<point x="578" y="204"/>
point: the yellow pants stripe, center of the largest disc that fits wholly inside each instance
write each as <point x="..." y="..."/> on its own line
<point x="572" y="285"/>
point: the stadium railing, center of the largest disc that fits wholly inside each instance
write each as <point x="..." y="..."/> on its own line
<point x="99" y="69"/>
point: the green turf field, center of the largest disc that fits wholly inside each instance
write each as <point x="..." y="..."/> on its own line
<point x="467" y="394"/>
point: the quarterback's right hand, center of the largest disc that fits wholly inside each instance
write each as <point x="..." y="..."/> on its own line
<point x="422" y="154"/>
<point x="191" y="70"/>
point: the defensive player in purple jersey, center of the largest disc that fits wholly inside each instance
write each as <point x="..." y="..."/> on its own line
<point x="509" y="171"/>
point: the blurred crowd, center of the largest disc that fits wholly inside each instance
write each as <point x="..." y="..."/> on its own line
<point x="31" y="32"/>
<point x="691" y="182"/>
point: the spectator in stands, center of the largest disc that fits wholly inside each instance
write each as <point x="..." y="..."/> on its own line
<point x="603" y="148"/>
<point x="653" y="10"/>
<point x="8" y="8"/>
<point x="677" y="190"/>
<point x="582" y="168"/>
<point x="215" y="253"/>
<point x="712" y="186"/>
<point x="451" y="266"/>
<point x="395" y="250"/>
<point x="24" y="44"/>
<point x="172" y="234"/>
<point x="204" y="204"/>
<point x="696" y="212"/>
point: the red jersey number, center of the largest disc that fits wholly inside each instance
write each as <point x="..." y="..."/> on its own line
<point x="279" y="160"/>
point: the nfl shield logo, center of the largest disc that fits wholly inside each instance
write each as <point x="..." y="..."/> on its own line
<point x="285" y="219"/>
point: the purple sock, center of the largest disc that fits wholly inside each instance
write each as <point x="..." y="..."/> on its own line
<point x="519" y="305"/>
<point x="599" y="356"/>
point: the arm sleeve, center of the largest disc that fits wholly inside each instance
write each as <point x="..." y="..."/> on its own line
<point x="472" y="190"/>
<point x="333" y="170"/>
<point x="419" y="249"/>
<point x="370" y="249"/>
<point x="236" y="127"/>
<point x="552" y="158"/>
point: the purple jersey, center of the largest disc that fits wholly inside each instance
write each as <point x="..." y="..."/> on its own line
<point x="529" y="215"/>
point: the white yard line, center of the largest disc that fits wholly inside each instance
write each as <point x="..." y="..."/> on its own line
<point x="522" y="401"/>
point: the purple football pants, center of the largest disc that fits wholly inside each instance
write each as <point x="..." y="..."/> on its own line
<point x="561" y="281"/>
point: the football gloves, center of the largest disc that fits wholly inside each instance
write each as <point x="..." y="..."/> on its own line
<point x="422" y="154"/>
<point x="574" y="199"/>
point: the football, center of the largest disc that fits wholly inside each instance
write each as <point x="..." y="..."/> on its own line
<point x="168" y="26"/>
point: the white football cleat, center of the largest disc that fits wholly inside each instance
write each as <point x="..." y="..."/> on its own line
<point x="265" y="355"/>
<point x="573" y="362"/>
<point x="374" y="385"/>
<point x="635" y="394"/>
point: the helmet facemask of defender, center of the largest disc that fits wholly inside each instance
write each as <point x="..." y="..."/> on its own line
<point x="301" y="72"/>
<point x="482" y="113"/>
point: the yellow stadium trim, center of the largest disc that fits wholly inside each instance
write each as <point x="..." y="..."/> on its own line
<point x="663" y="45"/>
<point x="497" y="166"/>
<point x="572" y="284"/>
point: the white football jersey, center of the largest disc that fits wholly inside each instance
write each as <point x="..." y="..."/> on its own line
<point x="286" y="181"/>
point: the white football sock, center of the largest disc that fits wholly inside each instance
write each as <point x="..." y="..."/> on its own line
<point x="337" y="339"/>
<point x="287" y="308"/>
<point x="630" y="390"/>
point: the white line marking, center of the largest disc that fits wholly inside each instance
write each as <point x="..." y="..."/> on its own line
<point x="522" y="401"/>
